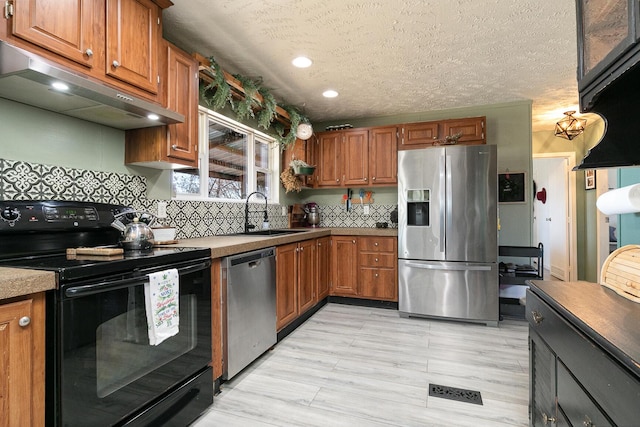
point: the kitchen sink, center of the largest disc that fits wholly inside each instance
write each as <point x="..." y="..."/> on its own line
<point x="270" y="232"/>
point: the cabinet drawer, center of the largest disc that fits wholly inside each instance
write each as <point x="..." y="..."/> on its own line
<point x="616" y="391"/>
<point x="379" y="283"/>
<point x="378" y="259"/>
<point x="377" y="244"/>
<point x="575" y="403"/>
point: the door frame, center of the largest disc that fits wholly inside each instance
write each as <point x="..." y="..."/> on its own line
<point x="571" y="203"/>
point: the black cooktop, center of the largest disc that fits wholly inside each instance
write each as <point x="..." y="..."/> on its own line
<point x="36" y="234"/>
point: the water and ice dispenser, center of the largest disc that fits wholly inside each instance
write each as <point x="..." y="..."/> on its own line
<point x="418" y="207"/>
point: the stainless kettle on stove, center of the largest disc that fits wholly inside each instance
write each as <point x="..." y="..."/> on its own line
<point x="312" y="214"/>
<point x="137" y="234"/>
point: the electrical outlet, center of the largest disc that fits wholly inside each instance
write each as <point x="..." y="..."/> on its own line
<point x="365" y="209"/>
<point x="284" y="211"/>
<point x="162" y="209"/>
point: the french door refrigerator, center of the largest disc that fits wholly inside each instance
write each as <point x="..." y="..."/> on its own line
<point x="447" y="233"/>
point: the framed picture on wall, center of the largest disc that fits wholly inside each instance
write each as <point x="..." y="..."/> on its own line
<point x="589" y="179"/>
<point x="511" y="187"/>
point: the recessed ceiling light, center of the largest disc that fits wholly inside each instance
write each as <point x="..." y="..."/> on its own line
<point x="330" y="93"/>
<point x="59" y="86"/>
<point x="153" y="116"/>
<point x="302" y="62"/>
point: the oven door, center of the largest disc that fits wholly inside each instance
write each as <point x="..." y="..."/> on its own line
<point x="105" y="369"/>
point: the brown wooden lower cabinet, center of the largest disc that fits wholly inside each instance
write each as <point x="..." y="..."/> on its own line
<point x="22" y="355"/>
<point x="296" y="280"/>
<point x="324" y="267"/>
<point x="365" y="267"/>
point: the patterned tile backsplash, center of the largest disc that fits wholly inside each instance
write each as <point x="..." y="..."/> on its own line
<point x="29" y="181"/>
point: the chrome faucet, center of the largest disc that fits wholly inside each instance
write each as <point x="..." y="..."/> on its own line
<point x="248" y="226"/>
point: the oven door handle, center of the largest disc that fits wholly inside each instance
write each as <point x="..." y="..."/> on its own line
<point x="112" y="285"/>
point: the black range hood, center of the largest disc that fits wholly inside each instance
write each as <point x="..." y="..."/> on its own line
<point x="27" y="78"/>
<point x="619" y="106"/>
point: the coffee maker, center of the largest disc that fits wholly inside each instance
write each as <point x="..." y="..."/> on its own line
<point x="312" y="214"/>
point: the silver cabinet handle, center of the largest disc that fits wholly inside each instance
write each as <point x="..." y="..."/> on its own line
<point x="88" y="52"/>
<point x="115" y="64"/>
<point x="376" y="275"/>
<point x="537" y="317"/>
<point x="376" y="259"/>
<point x="365" y="179"/>
<point x="24" y="321"/>
<point x="353" y="241"/>
<point x="374" y="178"/>
<point x="337" y="179"/>
<point x="375" y="244"/>
<point x="547" y="419"/>
<point x="174" y="147"/>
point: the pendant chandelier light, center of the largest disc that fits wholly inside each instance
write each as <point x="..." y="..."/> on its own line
<point x="570" y="127"/>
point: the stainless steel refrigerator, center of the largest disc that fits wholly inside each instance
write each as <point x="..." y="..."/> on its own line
<point x="447" y="233"/>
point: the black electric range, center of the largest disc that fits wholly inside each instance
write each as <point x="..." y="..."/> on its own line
<point x="103" y="366"/>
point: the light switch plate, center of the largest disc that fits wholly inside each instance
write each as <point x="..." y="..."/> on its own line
<point x="365" y="209"/>
<point x="162" y="209"/>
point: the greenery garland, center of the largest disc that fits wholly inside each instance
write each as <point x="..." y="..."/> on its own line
<point x="218" y="93"/>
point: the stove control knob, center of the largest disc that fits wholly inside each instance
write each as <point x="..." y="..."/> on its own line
<point x="10" y="214"/>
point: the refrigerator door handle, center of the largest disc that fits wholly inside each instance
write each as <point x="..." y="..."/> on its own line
<point x="449" y="267"/>
<point x="449" y="189"/>
<point x="443" y="171"/>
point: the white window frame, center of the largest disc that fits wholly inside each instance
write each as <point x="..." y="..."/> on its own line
<point x="204" y="114"/>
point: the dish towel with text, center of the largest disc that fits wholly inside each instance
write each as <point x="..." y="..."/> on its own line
<point x="162" y="301"/>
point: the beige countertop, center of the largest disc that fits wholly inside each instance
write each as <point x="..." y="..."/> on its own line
<point x="16" y="281"/>
<point x="229" y="245"/>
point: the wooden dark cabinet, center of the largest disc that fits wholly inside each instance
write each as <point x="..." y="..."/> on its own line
<point x="296" y="280"/>
<point x="608" y="33"/>
<point x="344" y="255"/>
<point x="132" y="36"/>
<point x="172" y="146"/>
<point x="584" y="366"/>
<point x="425" y="134"/>
<point x="365" y="267"/>
<point x="22" y="366"/>
<point x="383" y="155"/>
<point x="65" y="28"/>
<point x="357" y="157"/>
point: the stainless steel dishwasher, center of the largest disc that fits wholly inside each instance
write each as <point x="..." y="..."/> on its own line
<point x="249" y="308"/>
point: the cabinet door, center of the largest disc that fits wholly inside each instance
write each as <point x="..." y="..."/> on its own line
<point x="65" y="27"/>
<point x="306" y="275"/>
<point x="378" y="283"/>
<point x="182" y="96"/>
<point x="329" y="171"/>
<point x="542" y="381"/>
<point x="383" y="155"/>
<point x="323" y="267"/>
<point x="606" y="29"/>
<point x="133" y="32"/>
<point x="418" y="135"/>
<point x="22" y="362"/>
<point x="286" y="280"/>
<point x="355" y="155"/>
<point x="472" y="130"/>
<point x="344" y="251"/>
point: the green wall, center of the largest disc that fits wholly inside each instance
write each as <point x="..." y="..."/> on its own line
<point x="629" y="224"/>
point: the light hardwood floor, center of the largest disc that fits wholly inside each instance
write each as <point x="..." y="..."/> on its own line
<point x="360" y="366"/>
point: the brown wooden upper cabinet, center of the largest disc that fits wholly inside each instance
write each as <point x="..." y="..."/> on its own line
<point x="65" y="28"/>
<point x="357" y="157"/>
<point x="302" y="150"/>
<point x="427" y="134"/>
<point x="115" y="41"/>
<point x="171" y="146"/>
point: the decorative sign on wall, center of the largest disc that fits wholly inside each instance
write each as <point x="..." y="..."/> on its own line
<point x="511" y="187"/>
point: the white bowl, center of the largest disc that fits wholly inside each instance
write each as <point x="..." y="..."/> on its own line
<point x="164" y="234"/>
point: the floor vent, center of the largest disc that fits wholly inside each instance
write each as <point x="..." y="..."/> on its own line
<point x="452" y="393"/>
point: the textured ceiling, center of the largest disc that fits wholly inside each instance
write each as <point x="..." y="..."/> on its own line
<point x="390" y="57"/>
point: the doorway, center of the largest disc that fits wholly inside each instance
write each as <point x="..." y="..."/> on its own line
<point x="554" y="222"/>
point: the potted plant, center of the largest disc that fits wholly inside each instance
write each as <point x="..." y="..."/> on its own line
<point x="300" y="167"/>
